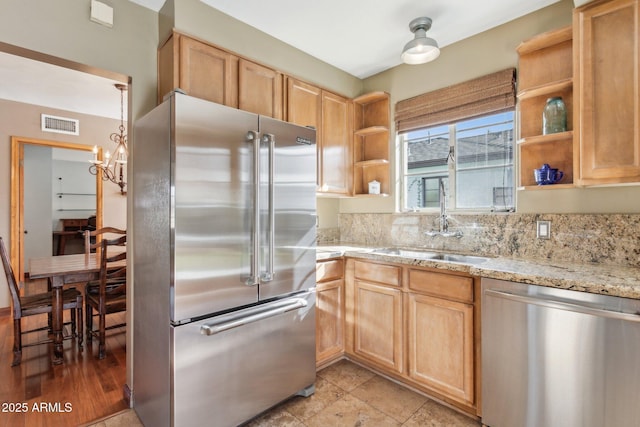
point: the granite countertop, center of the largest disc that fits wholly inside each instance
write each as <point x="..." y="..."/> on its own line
<point x="593" y="278"/>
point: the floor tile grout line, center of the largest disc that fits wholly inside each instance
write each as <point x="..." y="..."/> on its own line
<point x="406" y="388"/>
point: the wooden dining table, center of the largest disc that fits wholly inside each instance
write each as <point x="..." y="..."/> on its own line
<point x="61" y="270"/>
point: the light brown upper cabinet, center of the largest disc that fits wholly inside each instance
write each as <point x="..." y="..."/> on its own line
<point x="201" y="70"/>
<point x="545" y="71"/>
<point x="607" y="92"/>
<point x="208" y="72"/>
<point x="259" y="89"/>
<point x="308" y="105"/>
<point x="334" y="165"/>
<point x="304" y="104"/>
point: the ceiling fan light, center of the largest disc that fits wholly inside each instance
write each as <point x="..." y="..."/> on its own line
<point x="421" y="49"/>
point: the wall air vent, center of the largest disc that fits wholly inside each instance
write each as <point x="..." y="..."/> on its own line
<point x="60" y="125"/>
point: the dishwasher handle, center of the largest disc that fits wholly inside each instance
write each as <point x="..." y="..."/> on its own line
<point x="563" y="305"/>
<point x="253" y="315"/>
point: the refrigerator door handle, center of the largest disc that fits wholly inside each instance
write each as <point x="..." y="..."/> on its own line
<point x="267" y="276"/>
<point x="254" y="315"/>
<point x="254" y="274"/>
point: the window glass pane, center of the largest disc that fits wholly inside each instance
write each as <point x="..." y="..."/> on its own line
<point x="431" y="192"/>
<point x="423" y="191"/>
<point x="427" y="152"/>
<point x="484" y="162"/>
<point x="428" y="148"/>
<point x="485" y="188"/>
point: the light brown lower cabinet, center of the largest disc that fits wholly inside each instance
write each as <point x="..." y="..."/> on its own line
<point x="417" y="325"/>
<point x="440" y="345"/>
<point x="329" y="310"/>
<point x="377" y="333"/>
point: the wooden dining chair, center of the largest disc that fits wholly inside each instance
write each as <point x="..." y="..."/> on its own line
<point x="108" y="294"/>
<point x="91" y="241"/>
<point x="24" y="306"/>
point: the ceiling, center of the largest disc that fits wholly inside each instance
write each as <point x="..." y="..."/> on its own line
<point x="365" y="37"/>
<point x="360" y="37"/>
<point x="53" y="86"/>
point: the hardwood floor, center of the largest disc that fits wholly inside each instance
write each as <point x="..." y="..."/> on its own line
<point x="81" y="390"/>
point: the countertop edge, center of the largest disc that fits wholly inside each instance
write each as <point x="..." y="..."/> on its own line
<point x="601" y="279"/>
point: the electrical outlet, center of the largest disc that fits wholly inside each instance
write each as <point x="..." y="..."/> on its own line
<point x="543" y="229"/>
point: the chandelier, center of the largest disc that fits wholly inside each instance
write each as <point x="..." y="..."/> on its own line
<point x="112" y="167"/>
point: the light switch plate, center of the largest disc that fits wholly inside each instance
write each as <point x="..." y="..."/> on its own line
<point x="543" y="229"/>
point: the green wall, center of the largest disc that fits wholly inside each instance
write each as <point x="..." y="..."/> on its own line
<point x="62" y="28"/>
<point x="475" y="56"/>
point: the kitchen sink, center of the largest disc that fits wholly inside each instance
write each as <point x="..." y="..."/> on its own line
<point x="431" y="255"/>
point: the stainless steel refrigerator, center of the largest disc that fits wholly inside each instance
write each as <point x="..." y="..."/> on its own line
<point x="224" y="216"/>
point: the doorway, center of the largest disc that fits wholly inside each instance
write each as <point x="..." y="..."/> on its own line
<point x="102" y="381"/>
<point x="35" y="156"/>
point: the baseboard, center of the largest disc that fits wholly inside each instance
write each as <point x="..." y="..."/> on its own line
<point x="330" y="361"/>
<point x="5" y="311"/>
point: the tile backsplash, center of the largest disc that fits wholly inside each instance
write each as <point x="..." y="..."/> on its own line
<point x="607" y="239"/>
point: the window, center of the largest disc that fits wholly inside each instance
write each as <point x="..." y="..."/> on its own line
<point x="460" y="136"/>
<point x="472" y="158"/>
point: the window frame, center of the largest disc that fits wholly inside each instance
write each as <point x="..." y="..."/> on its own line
<point x="452" y="169"/>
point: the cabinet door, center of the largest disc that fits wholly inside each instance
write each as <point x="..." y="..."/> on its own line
<point x="334" y="150"/>
<point x="304" y="104"/>
<point x="440" y="345"/>
<point x="378" y="327"/>
<point x="329" y="320"/>
<point x="208" y="73"/>
<point x="168" y="67"/>
<point x="304" y="108"/>
<point x="608" y="91"/>
<point x="259" y="89"/>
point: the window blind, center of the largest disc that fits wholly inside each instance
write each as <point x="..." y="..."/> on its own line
<point x="488" y="94"/>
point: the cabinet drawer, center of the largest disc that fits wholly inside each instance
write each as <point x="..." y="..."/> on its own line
<point x="441" y="285"/>
<point x="329" y="270"/>
<point x="380" y="273"/>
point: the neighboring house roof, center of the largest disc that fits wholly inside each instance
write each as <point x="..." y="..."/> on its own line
<point x="426" y="152"/>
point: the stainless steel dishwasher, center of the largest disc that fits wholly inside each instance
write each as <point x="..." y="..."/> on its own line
<point x="553" y="357"/>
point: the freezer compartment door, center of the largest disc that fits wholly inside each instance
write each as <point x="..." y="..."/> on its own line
<point x="288" y="208"/>
<point x="232" y="367"/>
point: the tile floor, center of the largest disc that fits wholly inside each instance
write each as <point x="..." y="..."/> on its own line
<point x="346" y="395"/>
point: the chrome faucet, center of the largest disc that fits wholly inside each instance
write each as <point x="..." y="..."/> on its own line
<point x="444" y="222"/>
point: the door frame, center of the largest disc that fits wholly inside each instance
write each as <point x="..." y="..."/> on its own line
<point x="17" y="193"/>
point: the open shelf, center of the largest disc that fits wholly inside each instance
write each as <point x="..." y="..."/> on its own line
<point x="558" y="153"/>
<point x="549" y="138"/>
<point x="546" y="187"/>
<point x="545" y="71"/>
<point x="546" y="89"/>
<point x="371" y="143"/>
<point x="371" y="130"/>
<point x="372" y="162"/>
